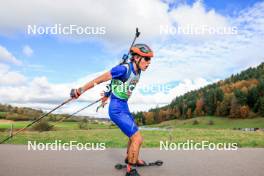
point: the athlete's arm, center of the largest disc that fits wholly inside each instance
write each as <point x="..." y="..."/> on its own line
<point x="75" y="93"/>
<point x="103" y="78"/>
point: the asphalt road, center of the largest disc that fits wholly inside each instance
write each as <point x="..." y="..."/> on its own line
<point x="16" y="160"/>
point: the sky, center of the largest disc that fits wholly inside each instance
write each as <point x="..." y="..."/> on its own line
<point x="195" y="43"/>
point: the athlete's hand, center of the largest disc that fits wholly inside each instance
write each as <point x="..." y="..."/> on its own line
<point x="104" y="99"/>
<point x="75" y="93"/>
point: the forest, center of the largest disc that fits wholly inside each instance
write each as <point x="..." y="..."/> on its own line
<point x="239" y="96"/>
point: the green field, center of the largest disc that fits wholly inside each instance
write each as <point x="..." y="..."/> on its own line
<point x="203" y="122"/>
<point x="114" y="138"/>
<point x="58" y="126"/>
<point x="18" y="124"/>
<point x="174" y="131"/>
<point x="218" y="123"/>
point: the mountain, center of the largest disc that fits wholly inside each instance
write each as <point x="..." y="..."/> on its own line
<point x="239" y="96"/>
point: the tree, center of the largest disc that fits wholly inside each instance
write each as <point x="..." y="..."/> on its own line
<point x="241" y="97"/>
<point x="219" y="95"/>
<point x="260" y="102"/>
<point x="235" y="108"/>
<point x="260" y="88"/>
<point x="212" y="96"/>
<point x="244" y="111"/>
<point x="149" y="118"/>
<point x="210" y="102"/>
<point x="225" y="105"/>
<point x="218" y="108"/>
<point x="183" y="109"/>
<point x="261" y="107"/>
<point x="139" y="118"/>
<point x="191" y="104"/>
<point x="163" y="115"/>
<point x="177" y="112"/>
<point x="252" y="97"/>
<point x="156" y="116"/>
<point x="189" y="113"/>
<point x="199" y="107"/>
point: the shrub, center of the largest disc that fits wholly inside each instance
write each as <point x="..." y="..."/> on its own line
<point x="16" y="117"/>
<point x="244" y="111"/>
<point x="83" y="124"/>
<point x="71" y="120"/>
<point x="2" y="115"/>
<point x="195" y="122"/>
<point x="252" y="114"/>
<point x="210" y="122"/>
<point x="42" y="125"/>
<point x="112" y="125"/>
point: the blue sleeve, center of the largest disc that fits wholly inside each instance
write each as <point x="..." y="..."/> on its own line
<point x="119" y="72"/>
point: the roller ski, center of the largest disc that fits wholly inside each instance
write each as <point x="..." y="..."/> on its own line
<point x="120" y="166"/>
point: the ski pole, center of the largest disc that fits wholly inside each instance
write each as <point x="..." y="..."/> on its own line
<point x="77" y="111"/>
<point x="136" y="36"/>
<point x="44" y="115"/>
<point x="125" y="56"/>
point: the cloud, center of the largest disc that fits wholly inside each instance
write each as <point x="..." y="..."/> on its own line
<point x="145" y="102"/>
<point x="27" y="50"/>
<point x="39" y="93"/>
<point x="10" y="78"/>
<point x="197" y="16"/>
<point x="120" y="20"/>
<point x="37" y="90"/>
<point x="180" y="57"/>
<point x="6" y="56"/>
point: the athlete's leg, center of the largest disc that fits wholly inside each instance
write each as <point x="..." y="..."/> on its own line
<point x="139" y="161"/>
<point x="133" y="153"/>
<point x="128" y="145"/>
<point x="120" y="115"/>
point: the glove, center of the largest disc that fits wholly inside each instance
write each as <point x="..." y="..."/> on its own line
<point x="105" y="96"/>
<point x="75" y="93"/>
<point x="103" y="101"/>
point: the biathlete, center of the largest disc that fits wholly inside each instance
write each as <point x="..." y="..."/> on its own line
<point x="124" y="78"/>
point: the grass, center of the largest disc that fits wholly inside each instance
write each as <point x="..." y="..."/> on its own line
<point x="180" y="131"/>
<point x="203" y="122"/>
<point x="218" y="123"/>
<point x="58" y="126"/>
<point x="17" y="124"/>
<point x="114" y="138"/>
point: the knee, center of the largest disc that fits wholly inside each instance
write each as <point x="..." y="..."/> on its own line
<point x="141" y="139"/>
<point x="137" y="138"/>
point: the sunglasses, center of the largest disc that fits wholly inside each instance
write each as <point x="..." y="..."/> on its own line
<point x="147" y="59"/>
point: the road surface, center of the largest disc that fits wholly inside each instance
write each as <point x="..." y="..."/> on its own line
<point x="16" y="160"/>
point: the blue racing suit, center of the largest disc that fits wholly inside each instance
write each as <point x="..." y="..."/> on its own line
<point x="123" y="76"/>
